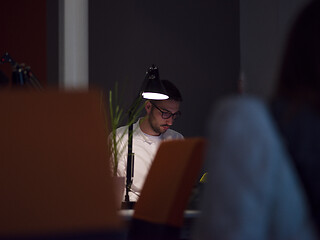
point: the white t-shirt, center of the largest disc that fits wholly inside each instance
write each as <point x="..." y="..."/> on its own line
<point x="144" y="148"/>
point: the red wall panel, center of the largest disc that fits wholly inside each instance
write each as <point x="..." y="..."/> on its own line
<point x="23" y="35"/>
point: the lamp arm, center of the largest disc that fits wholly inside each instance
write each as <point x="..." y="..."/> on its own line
<point x="145" y="80"/>
<point x="152" y="73"/>
<point x="130" y="157"/>
<point x="7" y="58"/>
<point x="21" y="74"/>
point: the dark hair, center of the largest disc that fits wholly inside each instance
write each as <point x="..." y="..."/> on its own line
<point x="172" y="90"/>
<point x="299" y="77"/>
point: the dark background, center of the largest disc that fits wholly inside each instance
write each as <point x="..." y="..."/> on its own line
<point x="195" y="44"/>
<point x="23" y="35"/>
<point x="203" y="46"/>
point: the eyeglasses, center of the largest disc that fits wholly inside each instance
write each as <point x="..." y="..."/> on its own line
<point x="167" y="114"/>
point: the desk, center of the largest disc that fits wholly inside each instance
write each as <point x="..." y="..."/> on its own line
<point x="189" y="218"/>
<point x="127" y="214"/>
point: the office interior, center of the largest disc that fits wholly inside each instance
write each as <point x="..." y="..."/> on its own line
<point x="207" y="48"/>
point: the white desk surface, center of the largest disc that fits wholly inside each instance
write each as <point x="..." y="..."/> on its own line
<point x="128" y="213"/>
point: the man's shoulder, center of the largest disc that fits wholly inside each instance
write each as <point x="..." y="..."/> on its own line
<point x="172" y="134"/>
<point x="120" y="132"/>
<point x="122" y="129"/>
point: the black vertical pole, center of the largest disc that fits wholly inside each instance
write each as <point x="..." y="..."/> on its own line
<point x="129" y="160"/>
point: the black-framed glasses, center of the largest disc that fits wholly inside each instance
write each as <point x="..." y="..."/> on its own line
<point x="167" y="114"/>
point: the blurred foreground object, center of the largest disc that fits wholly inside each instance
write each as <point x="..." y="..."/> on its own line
<point x="252" y="189"/>
<point x="54" y="177"/>
<point x="296" y="104"/>
<point x="21" y="74"/>
<point x="160" y="209"/>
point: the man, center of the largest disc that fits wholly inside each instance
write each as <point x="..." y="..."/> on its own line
<point x="148" y="132"/>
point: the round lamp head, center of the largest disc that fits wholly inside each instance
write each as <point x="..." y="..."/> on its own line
<point x="153" y="87"/>
<point x="154" y="96"/>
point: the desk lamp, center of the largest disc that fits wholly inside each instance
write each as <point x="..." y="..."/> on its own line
<point x="21" y="75"/>
<point x="152" y="89"/>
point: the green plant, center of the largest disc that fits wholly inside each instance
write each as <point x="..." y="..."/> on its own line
<point x="116" y="119"/>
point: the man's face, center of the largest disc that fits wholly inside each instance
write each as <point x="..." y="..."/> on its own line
<point x="158" y="113"/>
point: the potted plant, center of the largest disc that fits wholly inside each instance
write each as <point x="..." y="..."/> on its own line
<point x="116" y="119"/>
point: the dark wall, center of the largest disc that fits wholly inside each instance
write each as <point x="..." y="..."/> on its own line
<point x="264" y="26"/>
<point x="195" y="44"/>
<point x="52" y="33"/>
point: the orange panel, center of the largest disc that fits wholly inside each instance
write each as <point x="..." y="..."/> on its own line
<point x="54" y="169"/>
<point x="169" y="182"/>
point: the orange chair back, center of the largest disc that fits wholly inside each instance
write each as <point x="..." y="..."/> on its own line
<point x="54" y="169"/>
<point x="170" y="180"/>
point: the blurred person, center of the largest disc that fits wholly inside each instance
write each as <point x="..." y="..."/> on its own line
<point x="255" y="186"/>
<point x="252" y="189"/>
<point x="296" y="105"/>
<point x="148" y="133"/>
